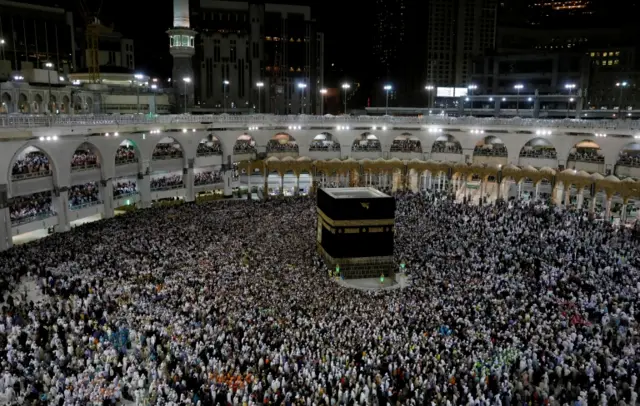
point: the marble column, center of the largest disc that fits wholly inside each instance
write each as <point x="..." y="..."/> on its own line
<point x="519" y="197"/>
<point x="281" y="185"/>
<point x="61" y="205"/>
<point x="623" y="215"/>
<point x="265" y="191"/>
<point x="607" y="213"/>
<point x="580" y="198"/>
<point x="297" y="191"/>
<point x="538" y="190"/>
<point x="567" y="197"/>
<point x="6" y="235"/>
<point x="189" y="182"/>
<point x="226" y="178"/>
<point x="106" y="194"/>
<point x="144" y="187"/>
<point x="592" y="204"/>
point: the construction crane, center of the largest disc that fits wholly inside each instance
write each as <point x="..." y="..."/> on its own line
<point x="93" y="31"/>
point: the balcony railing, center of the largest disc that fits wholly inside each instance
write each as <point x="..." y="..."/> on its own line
<point x="30" y="219"/>
<point x="84" y="205"/>
<point x="82" y="168"/>
<point x="164" y="188"/>
<point x="30" y="121"/>
<point x="166" y="157"/>
<point x="31" y="175"/>
<point x="123" y="195"/>
<point x="126" y="161"/>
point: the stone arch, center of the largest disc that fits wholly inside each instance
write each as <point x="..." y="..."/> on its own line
<point x="282" y="142"/>
<point x="127" y="152"/>
<point x="539" y="148"/>
<point x="64" y="107"/>
<point x="36" y="104"/>
<point x="168" y="148"/>
<point x="324" y="141"/>
<point x="88" y="105"/>
<point x="78" y="104"/>
<point x="446" y="144"/>
<point x="406" y="142"/>
<point x="210" y="145"/>
<point x="586" y="151"/>
<point x="27" y="148"/>
<point x="491" y="146"/>
<point x="85" y="155"/>
<point x="23" y="103"/>
<point x="244" y="144"/>
<point x="366" y="142"/>
<point x="6" y="103"/>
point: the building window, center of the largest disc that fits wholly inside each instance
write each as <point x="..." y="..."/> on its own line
<point x="185" y="40"/>
<point x="191" y="42"/>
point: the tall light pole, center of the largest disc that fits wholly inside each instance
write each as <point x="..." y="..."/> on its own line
<point x="569" y="87"/>
<point x="186" y="81"/>
<point x="138" y="77"/>
<point x="621" y="85"/>
<point x="429" y="89"/>
<point x="225" y="83"/>
<point x="471" y="88"/>
<point x="154" y="87"/>
<point x="346" y="88"/>
<point x="387" y="88"/>
<point x="259" y="85"/>
<point x="518" y="87"/>
<point x="323" y="92"/>
<point x="302" y="86"/>
<point x="49" y="66"/>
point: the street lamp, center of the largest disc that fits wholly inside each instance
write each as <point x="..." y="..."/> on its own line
<point x="323" y="92"/>
<point x="429" y="89"/>
<point x="518" y="87"/>
<point x="224" y="95"/>
<point x="346" y="87"/>
<point x="471" y="88"/>
<point x="154" y="87"/>
<point x="186" y="81"/>
<point x="569" y="87"/>
<point x="138" y="77"/>
<point x="387" y="88"/>
<point x="621" y="85"/>
<point x="259" y="85"/>
<point x="302" y="86"/>
<point x="49" y="65"/>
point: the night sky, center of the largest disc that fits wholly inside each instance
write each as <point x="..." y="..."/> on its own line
<point x="347" y="36"/>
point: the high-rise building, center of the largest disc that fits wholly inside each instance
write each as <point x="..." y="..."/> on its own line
<point x="458" y="31"/>
<point x="389" y="35"/>
<point x="243" y="44"/>
<point x="182" y="48"/>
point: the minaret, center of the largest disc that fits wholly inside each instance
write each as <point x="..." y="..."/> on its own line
<point x="181" y="42"/>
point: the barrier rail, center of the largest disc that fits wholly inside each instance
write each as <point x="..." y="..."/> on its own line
<point x="31" y="121"/>
<point x="165" y="157"/>
<point x="82" y="168"/>
<point x="38" y="217"/>
<point x="123" y="195"/>
<point x="165" y="188"/>
<point x="85" y="205"/>
<point x="126" y="162"/>
<point x="31" y="175"/>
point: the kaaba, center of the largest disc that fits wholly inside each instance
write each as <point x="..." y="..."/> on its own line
<point x="355" y="231"/>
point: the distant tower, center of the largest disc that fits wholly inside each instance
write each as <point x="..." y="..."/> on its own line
<point x="182" y="48"/>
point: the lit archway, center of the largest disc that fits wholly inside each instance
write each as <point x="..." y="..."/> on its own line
<point x="245" y="144"/>
<point x="85" y="157"/>
<point x="127" y="153"/>
<point x="167" y="148"/>
<point x="406" y="143"/>
<point x="366" y="142"/>
<point x="490" y="146"/>
<point x="586" y="152"/>
<point x="31" y="162"/>
<point x="282" y="142"/>
<point x="324" y="142"/>
<point x="23" y="103"/>
<point x="6" y="103"/>
<point x="629" y="155"/>
<point x="209" y="146"/>
<point x="539" y="148"/>
<point x="446" y="144"/>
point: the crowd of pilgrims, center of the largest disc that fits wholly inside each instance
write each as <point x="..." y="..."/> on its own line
<point x="368" y="145"/>
<point x="34" y="162"/>
<point x="244" y="147"/>
<point x="542" y="153"/>
<point x="34" y="205"/>
<point x="166" y="182"/>
<point x="324" y="145"/>
<point x="406" y="146"/>
<point x="629" y="158"/>
<point x="490" y="150"/>
<point x="84" y="158"/>
<point x="445" y="147"/>
<point x="586" y="155"/>
<point x="209" y="148"/>
<point x="227" y="303"/>
<point x="124" y="188"/>
<point x="80" y="195"/>
<point x="125" y="154"/>
<point x="207" y="178"/>
<point x="166" y="151"/>
<point x="277" y="146"/>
